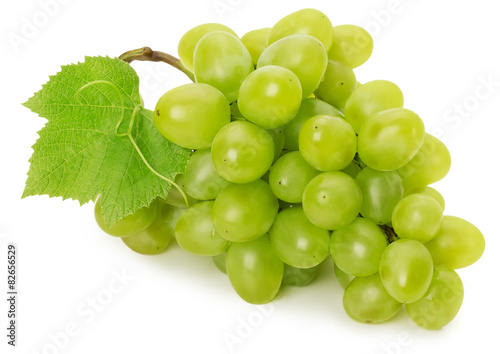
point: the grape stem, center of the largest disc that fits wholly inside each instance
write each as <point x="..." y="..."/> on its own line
<point x="389" y="233"/>
<point x="147" y="54"/>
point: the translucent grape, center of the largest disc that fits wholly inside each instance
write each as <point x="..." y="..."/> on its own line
<point x="306" y="21"/>
<point x="366" y="300"/>
<point x="352" y="169"/>
<point x="327" y="143"/>
<point x="332" y="200"/>
<point x="190" y="115"/>
<point x="338" y="84"/>
<point x="256" y="42"/>
<point x="278" y="140"/>
<point x="309" y="108"/>
<point x="289" y="176"/>
<point x="299" y="276"/>
<point x="244" y="212"/>
<point x="351" y="44"/>
<point x="382" y="190"/>
<point x="457" y="245"/>
<point x="442" y="301"/>
<point x="270" y="96"/>
<point x="406" y="270"/>
<point x="131" y="224"/>
<point x="389" y="139"/>
<point x="222" y="60"/>
<point x="170" y="214"/>
<point x="220" y="262"/>
<point x="357" y="248"/>
<point x="417" y="217"/>
<point x="242" y="152"/>
<point x="175" y="197"/>
<point x="297" y="241"/>
<point x="190" y="39"/>
<point x="254" y="270"/>
<point x="201" y="180"/>
<point x="151" y="241"/>
<point x="431" y="192"/>
<point x="342" y="277"/>
<point x="370" y="98"/>
<point x="302" y="54"/>
<point x="431" y="163"/>
<point x="195" y="231"/>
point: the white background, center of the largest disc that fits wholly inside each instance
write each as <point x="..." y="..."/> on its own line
<point x="438" y="52"/>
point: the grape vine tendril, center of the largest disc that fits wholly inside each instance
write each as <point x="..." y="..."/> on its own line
<point x="128" y="133"/>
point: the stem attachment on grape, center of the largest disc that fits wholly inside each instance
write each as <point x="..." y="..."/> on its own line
<point x="147" y="54"/>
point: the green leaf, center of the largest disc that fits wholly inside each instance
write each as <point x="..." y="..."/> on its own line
<point x="79" y="154"/>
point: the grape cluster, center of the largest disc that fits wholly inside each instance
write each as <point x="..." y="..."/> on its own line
<point x="295" y="161"/>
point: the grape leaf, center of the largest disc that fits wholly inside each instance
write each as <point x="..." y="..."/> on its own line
<point x="82" y="151"/>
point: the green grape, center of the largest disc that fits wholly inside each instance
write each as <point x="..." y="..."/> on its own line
<point x="190" y="115"/>
<point x="299" y="276"/>
<point x="220" y="262"/>
<point x="190" y="39"/>
<point x="235" y="112"/>
<point x="302" y="54"/>
<point x="406" y="270"/>
<point x="356" y="248"/>
<point x="222" y="60"/>
<point x="285" y="205"/>
<point x="327" y="143"/>
<point x="352" y="169"/>
<point x="244" y="212"/>
<point x="289" y="176"/>
<point x="242" y="152"/>
<point x="309" y="108"/>
<point x="338" y="84"/>
<point x="254" y="270"/>
<point x="279" y="141"/>
<point x="151" y="241"/>
<point x="351" y="44"/>
<point x="131" y="224"/>
<point x="170" y="214"/>
<point x="332" y="200"/>
<point x="417" y="217"/>
<point x="457" y="245"/>
<point x="256" y="42"/>
<point x="365" y="300"/>
<point x="297" y="241"/>
<point x="342" y="277"/>
<point x="431" y="163"/>
<point x="389" y="139"/>
<point x="442" y="301"/>
<point x="382" y="190"/>
<point x="270" y="96"/>
<point x="370" y="98"/>
<point x="431" y="192"/>
<point x="195" y="231"/>
<point x="305" y="21"/>
<point x="175" y="197"/>
<point x="201" y="180"/>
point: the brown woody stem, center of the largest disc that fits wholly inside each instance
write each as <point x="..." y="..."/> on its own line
<point x="147" y="54"/>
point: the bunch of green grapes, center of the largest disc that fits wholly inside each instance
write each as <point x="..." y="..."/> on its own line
<point x="295" y="162"/>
